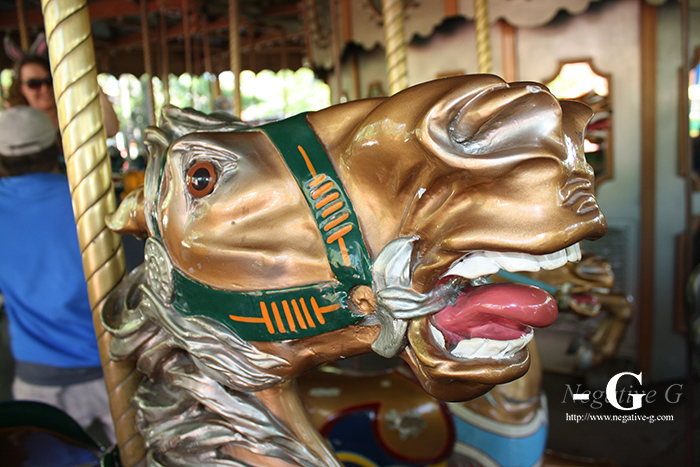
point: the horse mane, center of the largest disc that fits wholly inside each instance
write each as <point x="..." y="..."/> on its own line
<point x="196" y="403"/>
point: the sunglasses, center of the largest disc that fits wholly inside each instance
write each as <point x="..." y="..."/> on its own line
<point x="36" y="83"/>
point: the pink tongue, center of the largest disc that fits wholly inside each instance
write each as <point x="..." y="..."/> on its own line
<point x="500" y="311"/>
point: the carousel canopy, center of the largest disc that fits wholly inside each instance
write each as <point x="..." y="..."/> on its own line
<point x="193" y="35"/>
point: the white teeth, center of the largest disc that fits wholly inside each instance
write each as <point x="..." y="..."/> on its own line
<point x="483" y="263"/>
<point x="573" y="253"/>
<point x="484" y="348"/>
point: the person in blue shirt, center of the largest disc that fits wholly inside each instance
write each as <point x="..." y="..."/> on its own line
<point x="41" y="275"/>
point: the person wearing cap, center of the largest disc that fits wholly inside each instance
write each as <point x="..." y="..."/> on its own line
<point x="41" y="275"/>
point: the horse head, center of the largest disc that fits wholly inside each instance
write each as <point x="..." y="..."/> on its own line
<point x="367" y="226"/>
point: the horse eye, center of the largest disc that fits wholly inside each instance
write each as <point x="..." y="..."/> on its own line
<point x="201" y="179"/>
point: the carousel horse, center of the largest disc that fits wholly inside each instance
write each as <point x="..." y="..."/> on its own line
<point x="365" y="227"/>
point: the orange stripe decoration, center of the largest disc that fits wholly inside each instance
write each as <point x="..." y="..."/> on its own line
<point x="306" y="313"/>
<point x="317" y="180"/>
<point x="340" y="233"/>
<point x="309" y="165"/>
<point x="314" y="170"/>
<point x="336" y="221"/>
<point x="320" y="310"/>
<point x="278" y="318"/>
<point x="306" y="319"/>
<point x="265" y="318"/>
<point x="321" y="190"/>
<point x="288" y="315"/>
<point x="297" y="313"/>
<point x="344" y="251"/>
<point x="331" y="209"/>
<point x="248" y="319"/>
<point x="327" y="199"/>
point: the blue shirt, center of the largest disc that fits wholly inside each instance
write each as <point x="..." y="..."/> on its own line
<point x="41" y="274"/>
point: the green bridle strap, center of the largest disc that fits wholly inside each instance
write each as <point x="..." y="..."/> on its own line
<point x="305" y="311"/>
<point x="326" y="197"/>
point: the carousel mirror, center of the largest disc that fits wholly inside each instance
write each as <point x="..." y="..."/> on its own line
<point x="580" y="81"/>
<point x="694" y="119"/>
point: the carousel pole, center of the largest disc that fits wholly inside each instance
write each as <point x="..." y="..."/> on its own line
<point x="188" y="45"/>
<point x="72" y="57"/>
<point x="22" y="22"/>
<point x="234" y="43"/>
<point x="483" y="39"/>
<point x="165" y="59"/>
<point x="395" y="43"/>
<point x="308" y="31"/>
<point x="335" y="43"/>
<point x="208" y="64"/>
<point x="147" y="62"/>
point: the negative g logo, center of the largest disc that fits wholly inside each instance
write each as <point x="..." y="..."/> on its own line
<point x="611" y="392"/>
<point x="623" y="397"/>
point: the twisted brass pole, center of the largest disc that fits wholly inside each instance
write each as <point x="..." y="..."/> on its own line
<point x="22" y="22"/>
<point x="234" y="44"/>
<point x="395" y="43"/>
<point x="72" y="58"/>
<point x="483" y="35"/>
<point x="147" y="61"/>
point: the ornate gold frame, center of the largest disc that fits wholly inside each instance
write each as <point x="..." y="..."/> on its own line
<point x="685" y="150"/>
<point x="608" y="165"/>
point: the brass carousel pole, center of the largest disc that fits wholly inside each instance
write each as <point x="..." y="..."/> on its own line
<point x="147" y="62"/>
<point x="335" y="44"/>
<point x="22" y="22"/>
<point x="188" y="45"/>
<point x="234" y="44"/>
<point x="72" y="57"/>
<point x="483" y="37"/>
<point x="165" y="59"/>
<point x="208" y="64"/>
<point x="395" y="43"/>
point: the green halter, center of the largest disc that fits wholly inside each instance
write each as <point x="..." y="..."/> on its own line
<point x="293" y="313"/>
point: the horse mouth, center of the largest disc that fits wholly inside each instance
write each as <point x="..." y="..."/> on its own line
<point x="496" y="320"/>
<point x="468" y="329"/>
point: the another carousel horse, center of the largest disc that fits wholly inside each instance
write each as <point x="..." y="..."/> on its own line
<point x="586" y="289"/>
<point x="368" y="226"/>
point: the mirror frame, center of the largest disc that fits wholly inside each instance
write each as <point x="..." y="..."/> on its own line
<point x="608" y="163"/>
<point x="685" y="143"/>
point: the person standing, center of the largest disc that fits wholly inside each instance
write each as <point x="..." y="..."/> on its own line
<point x="52" y="337"/>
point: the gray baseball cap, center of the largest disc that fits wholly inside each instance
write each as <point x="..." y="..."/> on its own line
<point x="25" y="130"/>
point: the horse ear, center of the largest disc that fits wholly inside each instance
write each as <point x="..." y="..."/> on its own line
<point x="129" y="218"/>
<point x="13" y="50"/>
<point x="39" y="46"/>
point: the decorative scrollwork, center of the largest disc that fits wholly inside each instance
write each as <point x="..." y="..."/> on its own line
<point x="159" y="270"/>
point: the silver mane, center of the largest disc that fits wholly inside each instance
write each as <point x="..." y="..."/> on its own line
<point x="198" y="391"/>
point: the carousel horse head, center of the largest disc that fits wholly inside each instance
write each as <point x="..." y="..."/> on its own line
<point x="367" y="226"/>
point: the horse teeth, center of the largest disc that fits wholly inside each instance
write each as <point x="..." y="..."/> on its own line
<point x="484" y="263"/>
<point x="484" y="348"/>
<point x="573" y="253"/>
